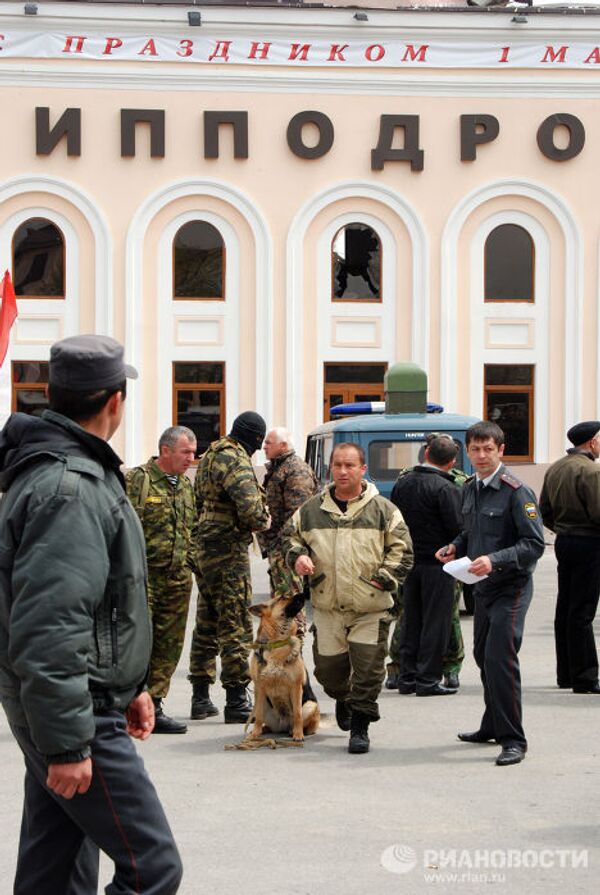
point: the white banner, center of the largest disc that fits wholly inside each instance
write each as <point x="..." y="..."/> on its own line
<point x="292" y="52"/>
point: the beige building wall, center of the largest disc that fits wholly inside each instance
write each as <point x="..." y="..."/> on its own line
<point x="278" y="214"/>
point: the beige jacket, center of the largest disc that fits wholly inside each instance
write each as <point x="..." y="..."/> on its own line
<point x="370" y="540"/>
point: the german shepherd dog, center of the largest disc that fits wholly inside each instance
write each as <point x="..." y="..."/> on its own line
<point x="283" y="698"/>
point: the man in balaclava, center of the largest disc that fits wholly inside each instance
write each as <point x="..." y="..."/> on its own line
<point x="231" y="506"/>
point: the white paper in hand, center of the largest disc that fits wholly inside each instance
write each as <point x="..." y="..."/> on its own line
<point x="458" y="569"/>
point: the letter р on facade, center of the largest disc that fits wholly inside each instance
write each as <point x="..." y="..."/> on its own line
<point x="272" y="209"/>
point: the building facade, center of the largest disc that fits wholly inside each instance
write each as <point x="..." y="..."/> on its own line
<point x="270" y="204"/>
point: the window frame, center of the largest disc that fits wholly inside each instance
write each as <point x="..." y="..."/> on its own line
<point x="350" y="386"/>
<point x="515" y="389"/>
<point x="361" y="301"/>
<point x="16" y="387"/>
<point x="510" y="301"/>
<point x="222" y="297"/>
<point x="200" y="387"/>
<point x="29" y="296"/>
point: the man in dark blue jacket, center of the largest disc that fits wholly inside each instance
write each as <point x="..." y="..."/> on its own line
<point x="75" y="637"/>
<point x="504" y="537"/>
<point x="430" y="503"/>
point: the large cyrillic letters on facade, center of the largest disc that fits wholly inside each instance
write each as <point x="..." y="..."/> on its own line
<point x="212" y="122"/>
<point x="410" y="152"/>
<point x="294" y="134"/>
<point x="545" y="137"/>
<point x="68" y="125"/>
<point x="474" y="131"/>
<point x="132" y="117"/>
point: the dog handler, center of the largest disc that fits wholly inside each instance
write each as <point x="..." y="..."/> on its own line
<point x="75" y="638"/>
<point x="355" y="546"/>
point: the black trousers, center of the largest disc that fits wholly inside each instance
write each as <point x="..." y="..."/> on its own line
<point x="498" y="631"/>
<point x="428" y="598"/>
<point x="120" y="814"/>
<point x="576" y="605"/>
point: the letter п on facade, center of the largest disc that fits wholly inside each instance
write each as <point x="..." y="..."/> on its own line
<point x="212" y="122"/>
<point x="132" y="117"/>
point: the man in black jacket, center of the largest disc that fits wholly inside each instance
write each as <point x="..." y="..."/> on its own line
<point x="75" y="637"/>
<point x="430" y="503"/>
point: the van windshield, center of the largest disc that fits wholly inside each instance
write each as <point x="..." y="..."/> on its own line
<point x="387" y="458"/>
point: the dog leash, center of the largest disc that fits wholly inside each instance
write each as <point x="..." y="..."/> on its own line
<point x="248" y="744"/>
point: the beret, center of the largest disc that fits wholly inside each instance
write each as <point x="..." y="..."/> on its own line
<point x="582" y="432"/>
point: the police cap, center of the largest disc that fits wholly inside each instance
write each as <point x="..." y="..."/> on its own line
<point x="86" y="363"/>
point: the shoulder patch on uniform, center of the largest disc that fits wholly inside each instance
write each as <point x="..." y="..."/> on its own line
<point x="153" y="500"/>
<point x="531" y="510"/>
<point x="511" y="480"/>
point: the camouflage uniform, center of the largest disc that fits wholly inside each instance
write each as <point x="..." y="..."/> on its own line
<point x="231" y="505"/>
<point x="168" y="516"/>
<point x="455" y="653"/>
<point x="288" y="483"/>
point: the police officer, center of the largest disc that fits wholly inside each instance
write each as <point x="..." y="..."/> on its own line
<point x="430" y="504"/>
<point x="231" y="506"/>
<point x="163" y="498"/>
<point x="455" y="650"/>
<point x="503" y="535"/>
<point x="75" y="637"/>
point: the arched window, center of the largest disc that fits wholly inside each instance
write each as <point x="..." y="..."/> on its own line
<point x="198" y="262"/>
<point x="39" y="259"/>
<point x="356" y="264"/>
<point x="509" y="264"/>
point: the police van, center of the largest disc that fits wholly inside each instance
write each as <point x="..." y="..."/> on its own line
<point x="393" y="433"/>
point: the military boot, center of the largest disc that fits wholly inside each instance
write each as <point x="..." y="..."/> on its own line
<point x="162" y="722"/>
<point x="238" y="707"/>
<point x="359" y="734"/>
<point x="393" y="677"/>
<point x="202" y="706"/>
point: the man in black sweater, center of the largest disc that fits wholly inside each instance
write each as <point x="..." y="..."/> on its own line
<point x="430" y="503"/>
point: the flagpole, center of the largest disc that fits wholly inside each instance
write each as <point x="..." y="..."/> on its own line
<point x="5" y="388"/>
<point x="8" y="315"/>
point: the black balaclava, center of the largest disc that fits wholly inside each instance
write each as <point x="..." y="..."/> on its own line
<point x="249" y="428"/>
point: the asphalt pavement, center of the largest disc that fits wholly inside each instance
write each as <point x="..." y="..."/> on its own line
<point x="421" y="812"/>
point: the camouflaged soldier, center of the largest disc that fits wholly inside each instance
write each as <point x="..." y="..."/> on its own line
<point x="163" y="498"/>
<point x="231" y="506"/>
<point x="455" y="653"/>
<point x="288" y="483"/>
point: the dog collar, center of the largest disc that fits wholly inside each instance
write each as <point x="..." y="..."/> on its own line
<point x="270" y="644"/>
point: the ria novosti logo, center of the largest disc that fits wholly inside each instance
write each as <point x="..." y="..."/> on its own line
<point x="399" y="859"/>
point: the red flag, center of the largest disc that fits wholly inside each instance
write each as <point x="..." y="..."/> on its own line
<point x="8" y="314"/>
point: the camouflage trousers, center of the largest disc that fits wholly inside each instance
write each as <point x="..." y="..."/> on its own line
<point x="284" y="580"/>
<point x="168" y="601"/>
<point x="223" y="621"/>
<point x="455" y="654"/>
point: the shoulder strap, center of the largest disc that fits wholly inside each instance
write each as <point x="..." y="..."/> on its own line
<point x="69" y="483"/>
<point x="139" y="501"/>
<point x="511" y="480"/>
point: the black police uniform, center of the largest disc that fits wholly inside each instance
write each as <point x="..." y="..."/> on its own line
<point x="501" y="521"/>
<point x="430" y="503"/>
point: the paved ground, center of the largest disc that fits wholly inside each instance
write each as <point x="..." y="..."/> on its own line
<point x="420" y="813"/>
